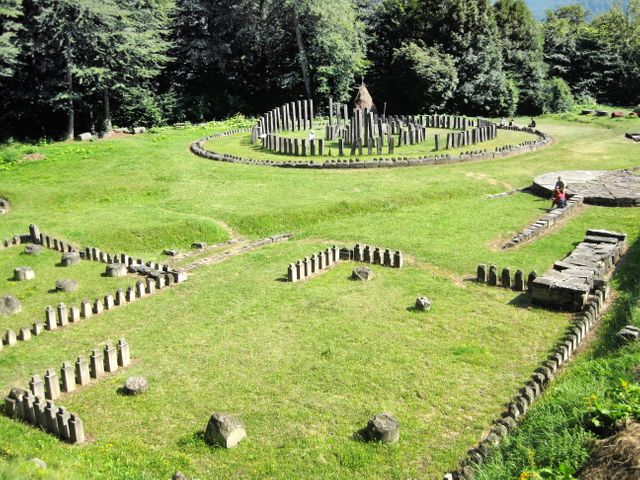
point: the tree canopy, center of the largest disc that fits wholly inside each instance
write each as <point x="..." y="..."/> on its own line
<point x="83" y="65"/>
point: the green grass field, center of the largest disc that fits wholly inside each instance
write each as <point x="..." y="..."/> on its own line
<point x="303" y="365"/>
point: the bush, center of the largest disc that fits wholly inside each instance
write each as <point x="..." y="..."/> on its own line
<point x="586" y="101"/>
<point x="558" y="96"/>
<point x="637" y="110"/>
<point x="138" y="107"/>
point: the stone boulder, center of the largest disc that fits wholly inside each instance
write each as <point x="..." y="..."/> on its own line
<point x="423" y="304"/>
<point x="384" y="427"/>
<point x="116" y="270"/>
<point x="362" y="273"/>
<point x="69" y="259"/>
<point x="171" y="253"/>
<point x="84" y="137"/>
<point x="33" y="249"/>
<point x="199" y="245"/>
<point x="38" y="462"/>
<point x="179" y="476"/>
<point x="224" y="430"/>
<point x="135" y="385"/>
<point x="66" y="285"/>
<point x="9" y="305"/>
<point x="629" y="333"/>
<point x="22" y="274"/>
<point x="138" y="130"/>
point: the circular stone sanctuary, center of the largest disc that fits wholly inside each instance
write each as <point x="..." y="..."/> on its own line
<point x="292" y="136"/>
<point x="618" y="188"/>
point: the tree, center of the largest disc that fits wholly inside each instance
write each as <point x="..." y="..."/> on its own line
<point x="425" y="78"/>
<point x="9" y="26"/>
<point x="522" y="52"/>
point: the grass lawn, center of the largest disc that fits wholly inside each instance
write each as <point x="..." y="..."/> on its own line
<point x="240" y="145"/>
<point x="304" y="365"/>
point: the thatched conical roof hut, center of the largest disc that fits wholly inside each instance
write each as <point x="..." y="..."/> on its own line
<point x="363" y="99"/>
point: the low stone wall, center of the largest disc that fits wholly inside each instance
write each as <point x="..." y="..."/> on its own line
<point x="570" y="282"/>
<point x="325" y="259"/>
<point x="506" y="278"/>
<point x="543" y="140"/>
<point x="35" y="406"/>
<point x="157" y="277"/>
<point x="545" y="222"/>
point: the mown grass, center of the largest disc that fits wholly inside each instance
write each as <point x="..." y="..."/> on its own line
<point x="306" y="364"/>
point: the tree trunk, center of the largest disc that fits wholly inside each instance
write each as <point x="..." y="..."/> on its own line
<point x="304" y="64"/>
<point x="70" y="113"/>
<point x="107" y="111"/>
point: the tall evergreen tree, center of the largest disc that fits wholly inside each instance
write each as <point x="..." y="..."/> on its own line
<point x="9" y="26"/>
<point x="522" y="51"/>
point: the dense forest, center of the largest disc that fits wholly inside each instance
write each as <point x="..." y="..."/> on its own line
<point x="84" y="65"/>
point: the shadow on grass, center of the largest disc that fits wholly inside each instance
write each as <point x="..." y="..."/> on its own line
<point x="523" y="300"/>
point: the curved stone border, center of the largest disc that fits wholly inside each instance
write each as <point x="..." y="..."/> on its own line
<point x="542" y="141"/>
<point x="545" y="222"/>
<point x="533" y="388"/>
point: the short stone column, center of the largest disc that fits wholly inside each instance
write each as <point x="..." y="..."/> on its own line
<point x="493" y="276"/>
<point x="124" y="358"/>
<point x="50" y="318"/>
<point x="150" y="285"/>
<point x="63" y="315"/>
<point x="98" y="306"/>
<point x="74" y="314"/>
<point x="85" y="309"/>
<point x="110" y="358"/>
<point x="96" y="364"/>
<point x="67" y="375"/>
<point x="108" y="302"/>
<point x="387" y="258"/>
<point x="481" y="276"/>
<point x="506" y="278"/>
<point x="82" y="371"/>
<point x="36" y="385"/>
<point x="10" y="338"/>
<point x="398" y="259"/>
<point x="76" y="429"/>
<point x="292" y="274"/>
<point x="530" y="279"/>
<point x="518" y="282"/>
<point x="62" y="417"/>
<point x="50" y="412"/>
<point x="51" y="385"/>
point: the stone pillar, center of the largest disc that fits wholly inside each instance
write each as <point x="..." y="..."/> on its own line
<point x="108" y="302"/>
<point x="306" y="267"/>
<point x="68" y="378"/>
<point x="27" y="408"/>
<point x="387" y="259"/>
<point x="36" y="385"/>
<point x="50" y="318"/>
<point x="506" y="278"/>
<point x="377" y="258"/>
<point x="530" y="279"/>
<point x="38" y="410"/>
<point x="124" y="358"/>
<point x="24" y="334"/>
<point x="519" y="284"/>
<point x="299" y="270"/>
<point x="493" y="275"/>
<point x="335" y="253"/>
<point x="398" y="259"/>
<point x="160" y="282"/>
<point x="37" y="328"/>
<point x="151" y="286"/>
<point x="481" y="276"/>
<point x="96" y="364"/>
<point x="292" y="275"/>
<point x="74" y="314"/>
<point x="82" y="371"/>
<point x="51" y="420"/>
<point x="322" y="264"/>
<point x="85" y="309"/>
<point x="110" y="358"/>
<point x="63" y="315"/>
<point x="98" y="306"/>
<point x="62" y="418"/>
<point x="76" y="429"/>
<point x="51" y="385"/>
<point x="140" y="289"/>
<point x="10" y="338"/>
<point x="130" y="295"/>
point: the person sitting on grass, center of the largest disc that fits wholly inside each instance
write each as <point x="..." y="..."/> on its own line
<point x="533" y="123"/>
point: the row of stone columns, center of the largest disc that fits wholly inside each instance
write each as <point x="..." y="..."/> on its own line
<point x="44" y="414"/>
<point x="489" y="275"/>
<point x="314" y="264"/>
